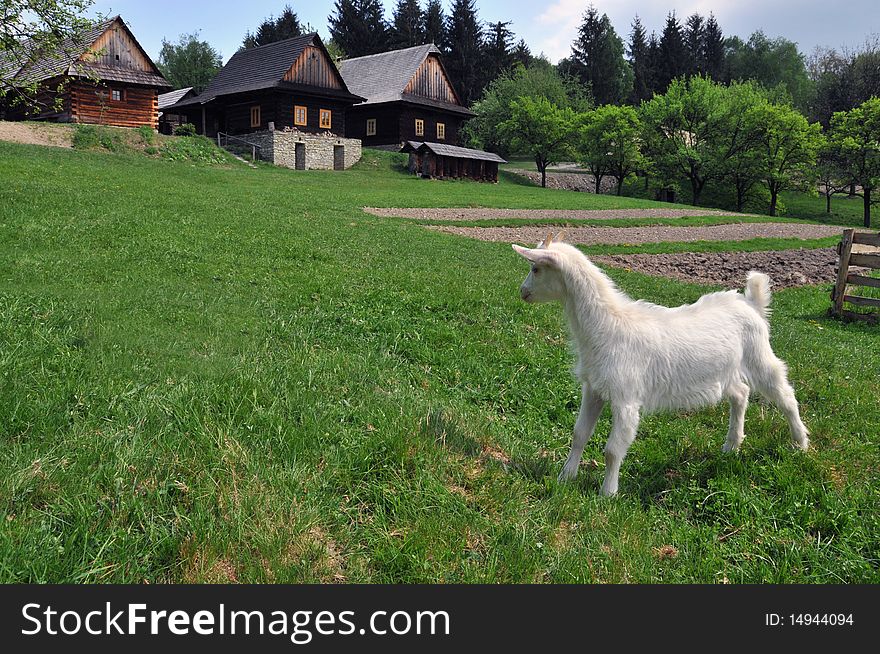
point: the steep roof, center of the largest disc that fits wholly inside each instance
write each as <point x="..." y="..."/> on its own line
<point x="445" y="150"/>
<point x="264" y="67"/>
<point x="170" y="98"/>
<point x="65" y="60"/>
<point x="384" y="77"/>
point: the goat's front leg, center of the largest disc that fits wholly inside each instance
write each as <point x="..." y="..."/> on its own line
<point x="591" y="408"/>
<point x="623" y="433"/>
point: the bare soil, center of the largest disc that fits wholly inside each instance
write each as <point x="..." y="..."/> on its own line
<point x="541" y="214"/>
<point x="651" y="234"/>
<point x="59" y="136"/>
<point x="581" y="181"/>
<point x="786" y="268"/>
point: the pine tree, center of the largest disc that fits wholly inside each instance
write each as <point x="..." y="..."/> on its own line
<point x="407" y="25"/>
<point x="521" y="54"/>
<point x="359" y="27"/>
<point x="673" y="54"/>
<point x="695" y="39"/>
<point x="499" y="50"/>
<point x="464" y="44"/>
<point x="713" y="50"/>
<point x="273" y="29"/>
<point x="597" y="59"/>
<point x="435" y="24"/>
<point x="640" y="62"/>
<point x="653" y="63"/>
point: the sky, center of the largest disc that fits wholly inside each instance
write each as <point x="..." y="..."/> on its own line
<point x="548" y="27"/>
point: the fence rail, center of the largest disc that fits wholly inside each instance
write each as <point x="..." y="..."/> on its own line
<point x="238" y="146"/>
<point x="848" y="258"/>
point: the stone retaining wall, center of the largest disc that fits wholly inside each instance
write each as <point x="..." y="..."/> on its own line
<point x="279" y="148"/>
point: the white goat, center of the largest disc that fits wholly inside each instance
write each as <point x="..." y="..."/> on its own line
<point x="641" y="357"/>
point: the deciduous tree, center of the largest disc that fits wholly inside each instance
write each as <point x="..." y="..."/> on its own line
<point x="856" y="136"/>
<point x="609" y="143"/>
<point x="189" y="62"/>
<point x="540" y="128"/>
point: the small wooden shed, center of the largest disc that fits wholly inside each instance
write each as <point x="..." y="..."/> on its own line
<point x="442" y="161"/>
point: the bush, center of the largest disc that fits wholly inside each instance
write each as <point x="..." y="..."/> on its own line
<point x="197" y="149"/>
<point x="92" y="137"/>
<point x="187" y="129"/>
<point x="147" y="134"/>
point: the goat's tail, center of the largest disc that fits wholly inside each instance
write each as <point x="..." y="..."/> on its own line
<point x="758" y="292"/>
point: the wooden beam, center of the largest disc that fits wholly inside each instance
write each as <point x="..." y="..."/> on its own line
<point x="844" y="249"/>
<point x="866" y="260"/>
<point x="866" y="238"/>
<point x="862" y="301"/>
<point x="861" y="280"/>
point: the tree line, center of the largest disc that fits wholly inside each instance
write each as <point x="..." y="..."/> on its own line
<point x="738" y="137"/>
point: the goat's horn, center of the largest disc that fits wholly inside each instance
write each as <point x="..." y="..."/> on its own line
<point x="548" y="240"/>
<point x="560" y="236"/>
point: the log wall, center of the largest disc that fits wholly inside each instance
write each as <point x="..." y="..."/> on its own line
<point x="90" y="103"/>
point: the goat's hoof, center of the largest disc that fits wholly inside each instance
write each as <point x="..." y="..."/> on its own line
<point x="730" y="447"/>
<point x="803" y="445"/>
<point x="566" y="474"/>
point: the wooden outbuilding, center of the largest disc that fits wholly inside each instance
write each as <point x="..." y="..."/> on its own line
<point x="409" y="98"/>
<point x="104" y="77"/>
<point x="443" y="161"/>
<point x="167" y="120"/>
<point x="291" y="83"/>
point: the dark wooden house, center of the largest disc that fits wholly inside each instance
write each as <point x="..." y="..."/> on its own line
<point x="167" y="120"/>
<point x="444" y="161"/>
<point x="103" y="77"/>
<point x="292" y="83"/>
<point x="409" y="97"/>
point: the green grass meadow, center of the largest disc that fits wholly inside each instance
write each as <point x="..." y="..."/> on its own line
<point x="228" y="374"/>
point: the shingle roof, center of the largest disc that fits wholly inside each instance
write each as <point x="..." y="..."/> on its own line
<point x="263" y="67"/>
<point x="170" y="98"/>
<point x="445" y="150"/>
<point x="383" y="77"/>
<point x="65" y="61"/>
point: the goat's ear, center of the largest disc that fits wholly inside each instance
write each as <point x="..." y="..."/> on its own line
<point x="536" y="255"/>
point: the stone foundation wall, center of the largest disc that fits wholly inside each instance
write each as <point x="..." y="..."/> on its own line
<point x="279" y="148"/>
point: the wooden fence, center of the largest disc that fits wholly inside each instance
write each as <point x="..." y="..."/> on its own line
<point x="864" y="259"/>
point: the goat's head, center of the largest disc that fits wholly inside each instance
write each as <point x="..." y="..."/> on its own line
<point x="544" y="282"/>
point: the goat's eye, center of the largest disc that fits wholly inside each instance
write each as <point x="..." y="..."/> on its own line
<point x="535" y="270"/>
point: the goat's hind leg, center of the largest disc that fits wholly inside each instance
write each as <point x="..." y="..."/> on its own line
<point x="623" y="433"/>
<point x="738" y="395"/>
<point x="591" y="408"/>
<point x="770" y="379"/>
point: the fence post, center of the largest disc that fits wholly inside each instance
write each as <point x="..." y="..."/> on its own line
<point x="844" y="249"/>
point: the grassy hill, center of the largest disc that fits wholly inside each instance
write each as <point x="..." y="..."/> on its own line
<point x="235" y="374"/>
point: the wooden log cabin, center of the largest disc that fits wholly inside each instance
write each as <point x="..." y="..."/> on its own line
<point x="103" y="77"/>
<point x="292" y="83"/>
<point x="443" y="161"/>
<point x="409" y="98"/>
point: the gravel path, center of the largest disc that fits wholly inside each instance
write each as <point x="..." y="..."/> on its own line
<point x="653" y="234"/>
<point x="542" y="214"/>
<point x="786" y="267"/>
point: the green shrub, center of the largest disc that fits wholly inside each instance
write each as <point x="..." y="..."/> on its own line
<point x="187" y="129"/>
<point x="95" y="137"/>
<point x="147" y="134"/>
<point x="197" y="149"/>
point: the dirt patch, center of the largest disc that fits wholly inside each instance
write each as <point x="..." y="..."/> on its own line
<point x="583" y="182"/>
<point x="652" y="234"/>
<point x="59" y="136"/>
<point x="541" y="214"/>
<point x="786" y="268"/>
